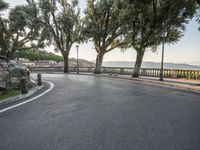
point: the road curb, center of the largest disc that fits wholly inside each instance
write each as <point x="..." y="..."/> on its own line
<point x="172" y="85"/>
<point x="21" y="96"/>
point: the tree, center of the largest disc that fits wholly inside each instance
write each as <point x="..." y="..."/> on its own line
<point x="63" y="25"/>
<point x="20" y="30"/>
<point x="3" y="5"/>
<point x="33" y="55"/>
<point x="149" y="19"/>
<point x="198" y="14"/>
<point x="103" y="27"/>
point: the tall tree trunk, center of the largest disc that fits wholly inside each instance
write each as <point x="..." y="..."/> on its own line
<point x="138" y="63"/>
<point x="98" y="64"/>
<point x="66" y="63"/>
<point x="10" y="55"/>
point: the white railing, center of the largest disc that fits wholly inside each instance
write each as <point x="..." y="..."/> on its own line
<point x="152" y="72"/>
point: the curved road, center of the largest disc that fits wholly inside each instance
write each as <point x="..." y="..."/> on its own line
<point x="95" y="113"/>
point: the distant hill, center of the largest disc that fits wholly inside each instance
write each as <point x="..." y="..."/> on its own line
<point x="44" y="55"/>
<point x="194" y="63"/>
<point x="151" y="65"/>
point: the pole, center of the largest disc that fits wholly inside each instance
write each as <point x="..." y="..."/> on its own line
<point x="161" y="70"/>
<point x="77" y="60"/>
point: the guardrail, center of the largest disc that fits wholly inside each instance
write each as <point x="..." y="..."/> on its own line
<point x="151" y="72"/>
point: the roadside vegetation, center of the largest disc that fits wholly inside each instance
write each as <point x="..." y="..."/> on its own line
<point x="34" y="55"/>
<point x="37" y="55"/>
<point x="109" y="24"/>
<point x="9" y="94"/>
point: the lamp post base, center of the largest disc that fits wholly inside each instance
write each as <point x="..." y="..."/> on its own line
<point x="161" y="76"/>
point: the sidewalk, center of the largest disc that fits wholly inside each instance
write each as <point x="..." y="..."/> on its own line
<point x="191" y="85"/>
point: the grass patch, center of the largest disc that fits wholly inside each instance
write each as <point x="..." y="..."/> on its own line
<point x="9" y="94"/>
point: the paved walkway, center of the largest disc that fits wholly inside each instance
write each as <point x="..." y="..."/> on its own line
<point x="192" y="85"/>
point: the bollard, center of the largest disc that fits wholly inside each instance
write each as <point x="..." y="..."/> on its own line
<point x="39" y="79"/>
<point x="24" y="89"/>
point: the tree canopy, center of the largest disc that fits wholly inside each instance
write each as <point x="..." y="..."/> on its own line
<point x="109" y="24"/>
<point x="62" y="23"/>
<point x="198" y="14"/>
<point x="3" y="5"/>
<point x="103" y="27"/>
<point x="20" y="30"/>
<point x="33" y="55"/>
<point x="149" y="20"/>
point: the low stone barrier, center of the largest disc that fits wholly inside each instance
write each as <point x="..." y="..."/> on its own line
<point x="151" y="72"/>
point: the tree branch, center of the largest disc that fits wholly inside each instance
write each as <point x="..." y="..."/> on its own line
<point x="118" y="45"/>
<point x="106" y="27"/>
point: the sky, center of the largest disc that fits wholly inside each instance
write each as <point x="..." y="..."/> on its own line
<point x="187" y="50"/>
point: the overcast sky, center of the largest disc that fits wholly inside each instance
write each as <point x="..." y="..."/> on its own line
<point x="187" y="50"/>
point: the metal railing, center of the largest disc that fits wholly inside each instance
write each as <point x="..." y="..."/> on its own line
<point x="151" y="72"/>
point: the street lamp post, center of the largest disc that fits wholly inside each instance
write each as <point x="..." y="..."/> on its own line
<point x="162" y="59"/>
<point x="77" y="48"/>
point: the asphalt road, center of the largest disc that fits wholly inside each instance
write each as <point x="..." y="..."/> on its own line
<point x="94" y="113"/>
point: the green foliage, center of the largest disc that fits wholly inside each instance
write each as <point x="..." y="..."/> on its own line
<point x="20" y="30"/>
<point x="148" y="20"/>
<point x="151" y="22"/>
<point x="198" y="13"/>
<point x="109" y="24"/>
<point x="9" y="94"/>
<point x="103" y="26"/>
<point x="33" y="55"/>
<point x="3" y="5"/>
<point x="62" y="24"/>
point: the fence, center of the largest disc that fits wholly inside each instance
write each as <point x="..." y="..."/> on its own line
<point x="151" y="72"/>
